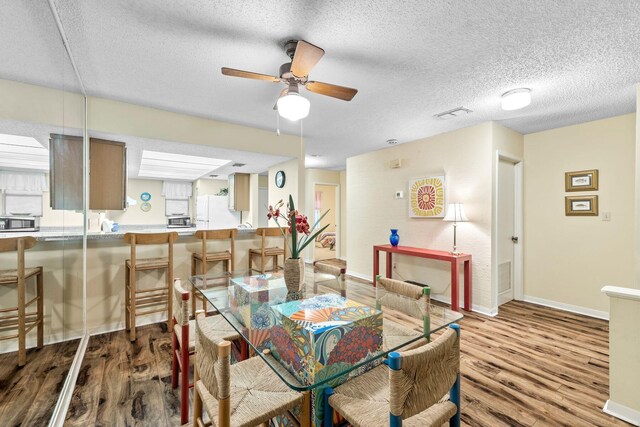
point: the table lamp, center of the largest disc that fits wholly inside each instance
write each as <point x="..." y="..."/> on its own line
<point x="455" y="214"/>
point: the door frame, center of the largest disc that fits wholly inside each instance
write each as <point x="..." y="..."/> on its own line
<point x="518" y="293"/>
<point x="312" y="252"/>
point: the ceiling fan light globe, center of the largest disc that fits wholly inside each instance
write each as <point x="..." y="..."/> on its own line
<point x="293" y="107"/>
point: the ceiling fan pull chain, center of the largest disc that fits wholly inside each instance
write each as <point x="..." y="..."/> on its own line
<point x="277" y="123"/>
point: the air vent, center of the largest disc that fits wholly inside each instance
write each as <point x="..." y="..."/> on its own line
<point x="212" y="176"/>
<point x="392" y="141"/>
<point x="238" y="165"/>
<point x="451" y="114"/>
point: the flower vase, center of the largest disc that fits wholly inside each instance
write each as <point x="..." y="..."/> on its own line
<point x="294" y="274"/>
<point x="394" y="238"/>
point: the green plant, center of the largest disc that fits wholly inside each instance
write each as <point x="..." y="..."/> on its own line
<point x="298" y="225"/>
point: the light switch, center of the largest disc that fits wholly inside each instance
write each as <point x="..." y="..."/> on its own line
<point x="606" y="216"/>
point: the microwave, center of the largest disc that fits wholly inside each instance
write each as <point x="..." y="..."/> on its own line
<point x="19" y="223"/>
<point x="178" y="222"/>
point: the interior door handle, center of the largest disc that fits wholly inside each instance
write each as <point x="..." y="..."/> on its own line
<point x="514" y="239"/>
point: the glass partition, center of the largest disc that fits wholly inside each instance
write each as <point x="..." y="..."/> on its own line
<point x="42" y="174"/>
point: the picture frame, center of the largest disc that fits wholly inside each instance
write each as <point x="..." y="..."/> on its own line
<point x="586" y="180"/>
<point x="581" y="205"/>
<point x="427" y="197"/>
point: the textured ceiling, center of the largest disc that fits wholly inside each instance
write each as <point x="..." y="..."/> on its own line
<point x="409" y="60"/>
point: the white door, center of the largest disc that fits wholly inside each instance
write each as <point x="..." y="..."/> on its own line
<point x="507" y="238"/>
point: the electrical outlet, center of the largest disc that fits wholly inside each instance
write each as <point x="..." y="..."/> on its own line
<point x="394" y="265"/>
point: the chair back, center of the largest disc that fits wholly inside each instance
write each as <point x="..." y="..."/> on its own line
<point x="19" y="245"/>
<point x="224" y="234"/>
<point x="337" y="283"/>
<point x="404" y="297"/>
<point x="426" y="374"/>
<point x="265" y="232"/>
<point x="180" y="303"/>
<point x="213" y="361"/>
<point x="151" y="239"/>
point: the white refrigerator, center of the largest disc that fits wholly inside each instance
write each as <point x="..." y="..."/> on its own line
<point x="212" y="212"/>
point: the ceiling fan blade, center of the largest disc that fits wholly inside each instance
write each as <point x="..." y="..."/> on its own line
<point x="248" y="75"/>
<point x="335" y="91"/>
<point x="305" y="58"/>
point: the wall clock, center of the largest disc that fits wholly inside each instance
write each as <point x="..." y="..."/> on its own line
<point x="280" y="179"/>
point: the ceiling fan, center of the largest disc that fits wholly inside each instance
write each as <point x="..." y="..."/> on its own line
<point x="304" y="56"/>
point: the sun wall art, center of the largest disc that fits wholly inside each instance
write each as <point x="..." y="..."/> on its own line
<point x="426" y="197"/>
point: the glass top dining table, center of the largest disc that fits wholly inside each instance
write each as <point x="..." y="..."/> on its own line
<point x="269" y="317"/>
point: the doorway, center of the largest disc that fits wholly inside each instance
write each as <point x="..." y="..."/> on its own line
<point x="326" y="200"/>
<point x="508" y="230"/>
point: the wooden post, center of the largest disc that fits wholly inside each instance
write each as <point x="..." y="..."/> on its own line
<point x="197" y="400"/>
<point x="22" y="343"/>
<point x="224" y="403"/>
<point x="395" y="363"/>
<point x="132" y="290"/>
<point x="40" y="309"/>
<point x="305" y="412"/>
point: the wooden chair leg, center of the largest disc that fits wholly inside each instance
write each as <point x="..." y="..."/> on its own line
<point x="305" y="412"/>
<point x="40" y="307"/>
<point x="174" y="360"/>
<point x="132" y="303"/>
<point x="22" y="342"/>
<point x="127" y="300"/>
<point x="169" y="302"/>
<point x="184" y="387"/>
<point x="197" y="400"/>
<point x="262" y="267"/>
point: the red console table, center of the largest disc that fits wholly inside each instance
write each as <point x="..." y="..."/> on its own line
<point x="455" y="261"/>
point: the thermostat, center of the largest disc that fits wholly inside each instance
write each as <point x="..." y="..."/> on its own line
<point x="399" y="194"/>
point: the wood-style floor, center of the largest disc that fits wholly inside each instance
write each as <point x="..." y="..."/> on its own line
<point x="529" y="366"/>
<point x="28" y="395"/>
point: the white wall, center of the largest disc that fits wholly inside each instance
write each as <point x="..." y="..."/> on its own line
<point x="343" y="215"/>
<point x="315" y="176"/>
<point x="465" y="158"/>
<point x="568" y="259"/>
<point x="328" y="205"/>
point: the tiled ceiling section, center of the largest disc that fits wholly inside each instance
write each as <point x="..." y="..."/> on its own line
<point x="409" y="60"/>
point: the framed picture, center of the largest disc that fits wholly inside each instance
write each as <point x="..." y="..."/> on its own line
<point x="581" y="205"/>
<point x="426" y="197"/>
<point x="581" y="180"/>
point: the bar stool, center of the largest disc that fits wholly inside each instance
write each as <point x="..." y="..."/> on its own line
<point x="155" y="296"/>
<point x="24" y="321"/>
<point x="265" y="251"/>
<point x="227" y="257"/>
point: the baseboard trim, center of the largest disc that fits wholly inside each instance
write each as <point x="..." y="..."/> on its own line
<point x="622" y="412"/>
<point x="119" y="326"/>
<point x="567" y="307"/>
<point x="359" y="276"/>
<point x="475" y="308"/>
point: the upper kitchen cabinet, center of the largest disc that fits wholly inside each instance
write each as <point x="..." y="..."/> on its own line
<point x="65" y="180"/>
<point x="239" y="192"/>
<point x="107" y="175"/>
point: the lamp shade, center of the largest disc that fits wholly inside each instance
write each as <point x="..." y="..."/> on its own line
<point x="455" y="213"/>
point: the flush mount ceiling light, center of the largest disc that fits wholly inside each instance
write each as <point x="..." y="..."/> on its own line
<point x="291" y="105"/>
<point x="516" y="99"/>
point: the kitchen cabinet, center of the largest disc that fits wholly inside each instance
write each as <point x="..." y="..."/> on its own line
<point x="65" y="172"/>
<point x="107" y="175"/>
<point x="17" y="204"/>
<point x="239" y="192"/>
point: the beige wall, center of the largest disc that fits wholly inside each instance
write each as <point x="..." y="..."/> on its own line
<point x="292" y="176"/>
<point x="568" y="259"/>
<point x="465" y="158"/>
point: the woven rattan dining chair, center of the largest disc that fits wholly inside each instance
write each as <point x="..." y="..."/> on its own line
<point x="23" y="320"/>
<point x="184" y="343"/>
<point x="408" y="299"/>
<point x="420" y="387"/>
<point x="244" y="394"/>
<point x="268" y="252"/>
<point x="336" y="283"/>
<point x="158" y="298"/>
<point x="208" y="258"/>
